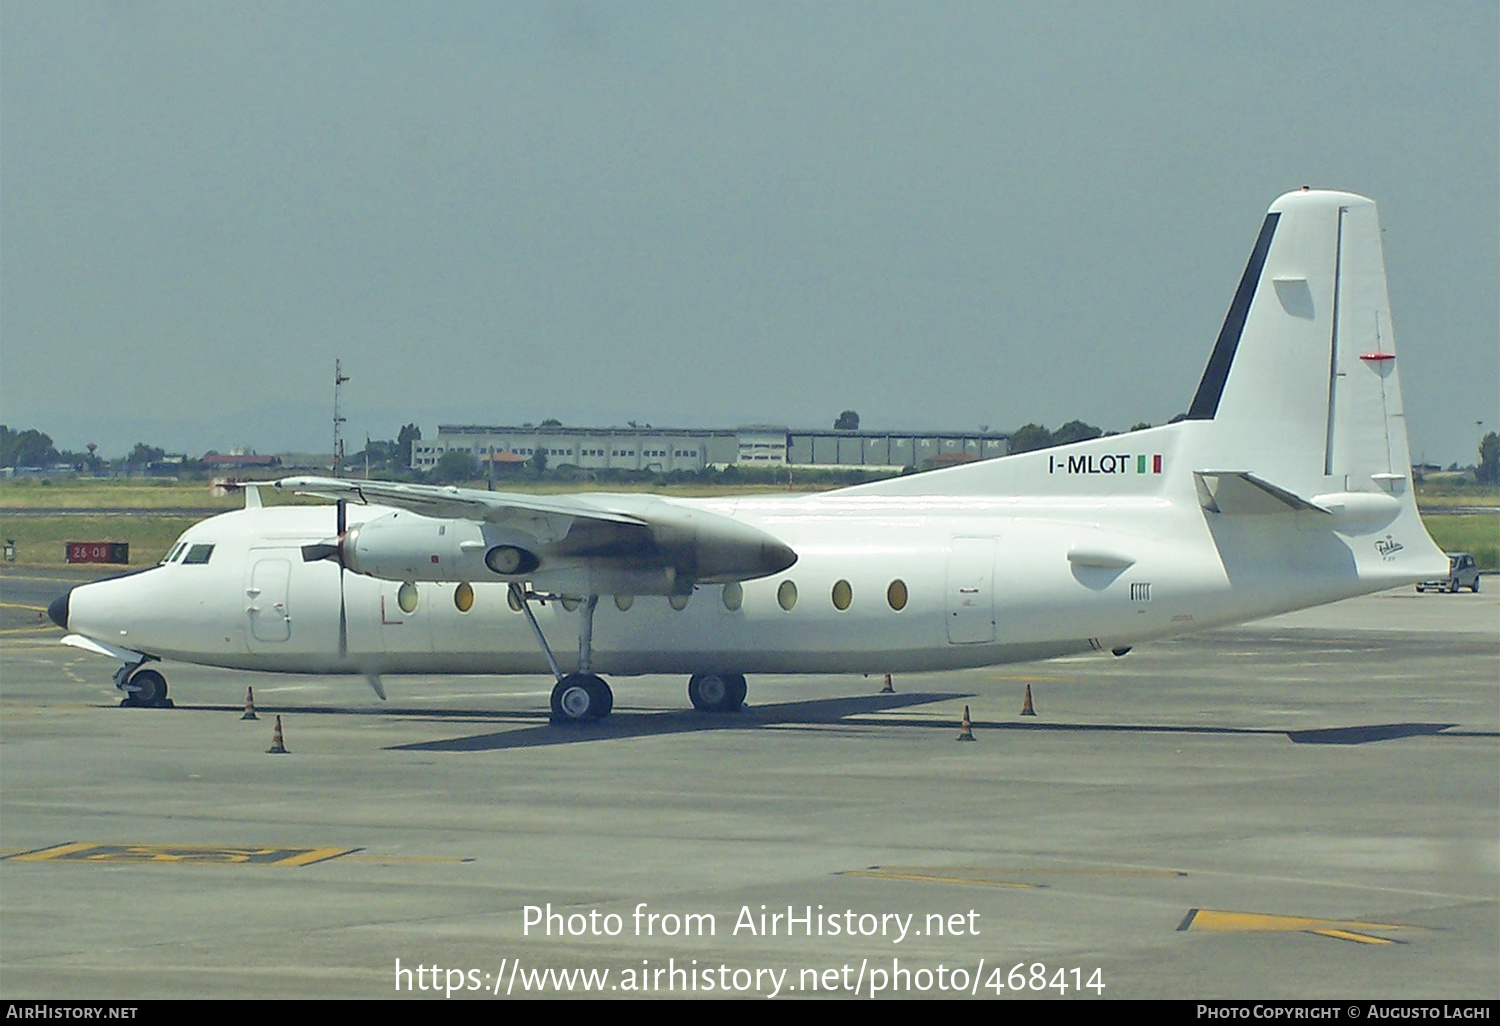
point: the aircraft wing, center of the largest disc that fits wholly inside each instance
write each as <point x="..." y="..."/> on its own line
<point x="455" y="503"/>
<point x="598" y="533"/>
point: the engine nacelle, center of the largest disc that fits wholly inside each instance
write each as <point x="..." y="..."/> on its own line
<point x="405" y="546"/>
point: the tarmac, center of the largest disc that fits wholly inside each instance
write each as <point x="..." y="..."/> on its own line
<point x="1306" y="807"/>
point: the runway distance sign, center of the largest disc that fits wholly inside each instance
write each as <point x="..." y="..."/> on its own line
<point x="98" y="552"/>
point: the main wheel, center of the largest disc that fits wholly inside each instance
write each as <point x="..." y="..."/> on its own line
<point x="580" y="697"/>
<point x="149" y="690"/>
<point x="717" y="692"/>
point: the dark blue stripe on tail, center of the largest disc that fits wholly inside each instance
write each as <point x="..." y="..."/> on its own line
<point x="1206" y="402"/>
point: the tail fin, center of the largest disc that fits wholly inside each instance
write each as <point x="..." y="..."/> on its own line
<point x="1302" y="385"/>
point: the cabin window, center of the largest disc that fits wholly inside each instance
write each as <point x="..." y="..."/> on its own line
<point x="679" y="602"/>
<point x="786" y="595"/>
<point x="198" y="554"/>
<point x="842" y="595"/>
<point x="624" y="602"/>
<point x="734" y="595"/>
<point x="896" y="595"/>
<point x="406" y="597"/>
<point x="463" y="597"/>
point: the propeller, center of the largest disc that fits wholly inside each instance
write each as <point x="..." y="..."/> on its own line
<point x="334" y="550"/>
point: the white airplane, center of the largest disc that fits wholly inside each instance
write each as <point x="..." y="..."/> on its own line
<point x="1286" y="486"/>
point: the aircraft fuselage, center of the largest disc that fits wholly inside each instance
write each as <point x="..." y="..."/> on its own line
<point x="881" y="584"/>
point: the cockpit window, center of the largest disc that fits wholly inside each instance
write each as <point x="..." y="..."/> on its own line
<point x="176" y="551"/>
<point x="198" y="554"/>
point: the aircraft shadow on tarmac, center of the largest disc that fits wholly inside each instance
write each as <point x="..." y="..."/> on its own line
<point x="834" y="712"/>
<point x="626" y="724"/>
<point x="822" y="712"/>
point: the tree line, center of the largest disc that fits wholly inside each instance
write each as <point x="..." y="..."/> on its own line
<point x="392" y="457"/>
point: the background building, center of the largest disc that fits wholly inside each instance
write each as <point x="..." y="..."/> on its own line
<point x="666" y="449"/>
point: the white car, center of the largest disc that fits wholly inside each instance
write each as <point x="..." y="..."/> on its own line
<point x="1463" y="572"/>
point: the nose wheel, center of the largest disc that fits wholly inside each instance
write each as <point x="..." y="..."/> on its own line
<point x="147" y="689"/>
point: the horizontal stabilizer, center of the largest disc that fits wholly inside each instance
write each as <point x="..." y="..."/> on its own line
<point x="1239" y="493"/>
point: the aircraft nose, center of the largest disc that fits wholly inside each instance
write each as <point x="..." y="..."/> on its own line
<point x="57" y="612"/>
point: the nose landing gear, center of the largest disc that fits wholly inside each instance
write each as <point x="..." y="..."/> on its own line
<point x="144" y="689"/>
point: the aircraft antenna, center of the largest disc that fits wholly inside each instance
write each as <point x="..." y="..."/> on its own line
<point x="338" y="419"/>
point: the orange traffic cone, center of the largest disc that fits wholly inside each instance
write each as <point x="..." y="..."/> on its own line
<point x="966" y="729"/>
<point x="249" y="705"/>
<point x="1026" y="709"/>
<point x="889" y="688"/>
<point x="278" y="746"/>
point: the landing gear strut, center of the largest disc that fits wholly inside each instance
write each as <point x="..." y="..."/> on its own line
<point x="577" y="697"/>
<point x="717" y="692"/>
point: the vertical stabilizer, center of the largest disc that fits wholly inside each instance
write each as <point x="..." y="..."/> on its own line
<point x="1299" y="411"/>
<point x="1302" y="386"/>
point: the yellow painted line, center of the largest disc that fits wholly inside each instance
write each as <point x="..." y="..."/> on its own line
<point x="999" y="876"/>
<point x="1220" y="921"/>
<point x="394" y="859"/>
<point x="19" y="605"/>
<point x="1038" y="680"/>
<point x="881" y="874"/>
<point x="38" y="629"/>
<point x="1358" y="938"/>
<point x="1025" y="871"/>
<point x="181" y="854"/>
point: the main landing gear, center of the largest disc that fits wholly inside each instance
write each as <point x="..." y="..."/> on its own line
<point x="581" y="696"/>
<point x="717" y="692"/>
<point x="576" y="697"/>
<point x="584" y="696"/>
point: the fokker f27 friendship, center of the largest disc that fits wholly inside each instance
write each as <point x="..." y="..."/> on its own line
<point x="1286" y="486"/>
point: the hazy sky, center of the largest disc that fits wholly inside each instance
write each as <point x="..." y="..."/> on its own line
<point x="706" y="214"/>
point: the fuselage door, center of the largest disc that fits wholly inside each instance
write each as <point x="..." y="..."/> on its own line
<point x="971" y="591"/>
<point x="267" y="600"/>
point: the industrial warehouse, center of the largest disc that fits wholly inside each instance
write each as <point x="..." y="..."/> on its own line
<point x="663" y="450"/>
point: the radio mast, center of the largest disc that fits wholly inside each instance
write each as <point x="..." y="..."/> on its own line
<point x="338" y="419"/>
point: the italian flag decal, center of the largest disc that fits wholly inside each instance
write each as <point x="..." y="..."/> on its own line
<point x="1140" y="463"/>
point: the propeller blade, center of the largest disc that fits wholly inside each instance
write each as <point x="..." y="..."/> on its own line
<point x="374" y="681"/>
<point x="320" y="550"/>
<point x="343" y="621"/>
<point x="341" y="511"/>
